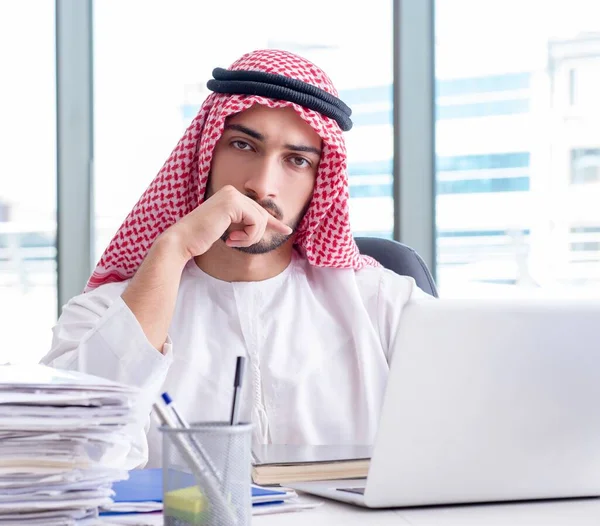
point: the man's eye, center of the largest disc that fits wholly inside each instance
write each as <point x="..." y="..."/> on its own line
<point x="241" y="145"/>
<point x="300" y="162"/>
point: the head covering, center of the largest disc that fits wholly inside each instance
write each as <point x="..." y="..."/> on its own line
<point x="323" y="236"/>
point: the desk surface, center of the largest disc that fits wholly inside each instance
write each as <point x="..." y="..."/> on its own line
<point x="579" y="512"/>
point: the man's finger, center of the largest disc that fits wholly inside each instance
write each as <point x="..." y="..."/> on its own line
<point x="238" y="235"/>
<point x="275" y="224"/>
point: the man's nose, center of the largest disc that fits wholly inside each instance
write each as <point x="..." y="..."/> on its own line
<point x="263" y="181"/>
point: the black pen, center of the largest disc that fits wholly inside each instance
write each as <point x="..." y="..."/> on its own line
<point x="237" y="388"/>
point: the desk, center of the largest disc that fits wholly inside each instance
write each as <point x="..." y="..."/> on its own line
<point x="580" y="512"/>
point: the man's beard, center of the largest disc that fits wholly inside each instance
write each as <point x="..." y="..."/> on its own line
<point x="277" y="239"/>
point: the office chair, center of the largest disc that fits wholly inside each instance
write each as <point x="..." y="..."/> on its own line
<point x="399" y="258"/>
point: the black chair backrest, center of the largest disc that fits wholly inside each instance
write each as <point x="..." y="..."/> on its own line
<point x="400" y="259"/>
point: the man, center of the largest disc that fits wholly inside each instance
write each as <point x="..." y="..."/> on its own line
<point x="242" y="246"/>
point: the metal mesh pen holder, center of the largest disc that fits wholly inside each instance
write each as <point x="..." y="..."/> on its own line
<point x="206" y="475"/>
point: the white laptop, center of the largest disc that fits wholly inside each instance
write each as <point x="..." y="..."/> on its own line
<point x="486" y="401"/>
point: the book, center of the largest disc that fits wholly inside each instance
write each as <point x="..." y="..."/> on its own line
<point x="283" y="463"/>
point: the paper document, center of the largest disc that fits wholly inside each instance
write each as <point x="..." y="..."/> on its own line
<point x="56" y="427"/>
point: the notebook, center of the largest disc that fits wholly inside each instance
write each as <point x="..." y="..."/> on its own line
<point x="143" y="492"/>
<point x="282" y="463"/>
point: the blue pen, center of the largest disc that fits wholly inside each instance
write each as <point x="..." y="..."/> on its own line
<point x="197" y="446"/>
<point x="198" y="469"/>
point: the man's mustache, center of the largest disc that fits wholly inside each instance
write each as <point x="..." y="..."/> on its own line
<point x="268" y="204"/>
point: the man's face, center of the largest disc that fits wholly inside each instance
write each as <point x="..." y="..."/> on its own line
<point x="270" y="155"/>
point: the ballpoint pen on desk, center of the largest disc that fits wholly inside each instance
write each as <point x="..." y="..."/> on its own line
<point x="238" y="377"/>
<point x="182" y="422"/>
<point x="240" y="367"/>
<point x="237" y="387"/>
<point x="209" y="483"/>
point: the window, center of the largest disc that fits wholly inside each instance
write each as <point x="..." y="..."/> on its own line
<point x="475" y="250"/>
<point x="585" y="230"/>
<point x="584" y="81"/>
<point x="572" y="86"/>
<point x="371" y="190"/>
<point x="584" y="248"/>
<point x="509" y="111"/>
<point x="148" y="89"/>
<point x="588" y="246"/>
<point x="483" y="162"/>
<point x="479" y="186"/>
<point x="490" y="95"/>
<point x="28" y="304"/>
<point x="482" y="109"/>
<point x="585" y="166"/>
<point x="477" y="174"/>
<point x="486" y="84"/>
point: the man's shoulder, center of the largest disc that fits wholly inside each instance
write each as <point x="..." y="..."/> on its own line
<point x="370" y="278"/>
<point x="104" y="292"/>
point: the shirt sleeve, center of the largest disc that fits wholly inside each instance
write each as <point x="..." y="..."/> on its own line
<point x="98" y="334"/>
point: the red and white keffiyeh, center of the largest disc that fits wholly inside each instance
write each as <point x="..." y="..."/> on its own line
<point x="324" y="236"/>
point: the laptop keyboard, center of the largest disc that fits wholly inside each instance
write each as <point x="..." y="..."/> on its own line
<point x="360" y="491"/>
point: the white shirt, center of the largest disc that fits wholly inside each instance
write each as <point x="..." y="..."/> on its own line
<point x="318" y="344"/>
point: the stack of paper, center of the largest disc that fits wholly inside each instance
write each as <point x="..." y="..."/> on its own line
<point x="56" y="428"/>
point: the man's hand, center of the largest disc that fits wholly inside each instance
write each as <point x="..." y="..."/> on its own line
<point x="152" y="293"/>
<point x="197" y="232"/>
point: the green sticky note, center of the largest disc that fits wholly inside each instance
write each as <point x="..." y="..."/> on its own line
<point x="186" y="504"/>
